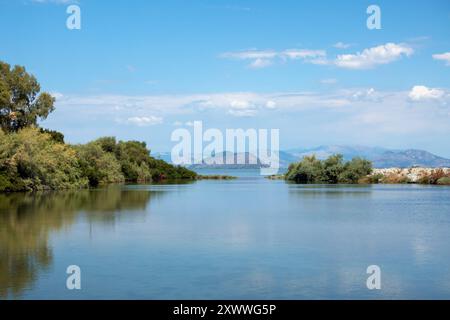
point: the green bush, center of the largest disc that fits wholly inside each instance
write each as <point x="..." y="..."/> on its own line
<point x="354" y="170"/>
<point x="98" y="166"/>
<point x="332" y="170"/>
<point x="162" y="170"/>
<point x="444" y="181"/>
<point x="309" y="170"/>
<point x="134" y="158"/>
<point x="376" y="178"/>
<point x="30" y="160"/>
<point x="55" y="135"/>
<point x="107" y="161"/>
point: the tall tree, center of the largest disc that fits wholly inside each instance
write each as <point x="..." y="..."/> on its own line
<point x="21" y="105"/>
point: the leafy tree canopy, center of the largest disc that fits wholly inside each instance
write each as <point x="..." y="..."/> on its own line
<point x="21" y="105"/>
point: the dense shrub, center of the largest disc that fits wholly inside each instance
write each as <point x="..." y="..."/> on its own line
<point x="437" y="176"/>
<point x="55" y="135"/>
<point x="355" y="170"/>
<point x="395" y="178"/>
<point x="371" y="179"/>
<point x="106" y="161"/>
<point x="309" y="170"/>
<point x="98" y="166"/>
<point x="134" y="159"/>
<point x="34" y="159"/>
<point x="332" y="170"/>
<point x="162" y="170"/>
<point x="443" y="181"/>
<point x="30" y="160"/>
<point x="433" y="177"/>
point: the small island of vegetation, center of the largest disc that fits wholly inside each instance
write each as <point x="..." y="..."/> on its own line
<point x="334" y="170"/>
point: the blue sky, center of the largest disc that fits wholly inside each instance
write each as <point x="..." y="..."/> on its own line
<point x="140" y="69"/>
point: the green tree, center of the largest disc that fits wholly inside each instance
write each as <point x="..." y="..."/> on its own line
<point x="355" y="169"/>
<point x="309" y="170"/>
<point x="134" y="158"/>
<point x="333" y="168"/>
<point x="21" y="105"/>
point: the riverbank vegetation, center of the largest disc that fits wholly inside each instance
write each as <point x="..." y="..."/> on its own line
<point x="33" y="158"/>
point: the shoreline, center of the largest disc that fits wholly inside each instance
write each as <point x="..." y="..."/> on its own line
<point x="413" y="175"/>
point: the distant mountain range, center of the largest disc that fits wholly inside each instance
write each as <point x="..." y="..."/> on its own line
<point x="380" y="157"/>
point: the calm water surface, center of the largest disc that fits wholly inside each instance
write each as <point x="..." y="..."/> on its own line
<point x="249" y="238"/>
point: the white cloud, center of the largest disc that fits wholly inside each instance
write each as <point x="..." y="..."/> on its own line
<point x="187" y="124"/>
<point x="443" y="56"/>
<point x="384" y="114"/>
<point x="366" y="95"/>
<point x="242" y="108"/>
<point x="419" y="93"/>
<point x="341" y="45"/>
<point x="235" y="103"/>
<point x="242" y="112"/>
<point x="239" y="104"/>
<point x="302" y="53"/>
<point x="367" y="59"/>
<point x="366" y="105"/>
<point x="372" y="57"/>
<point x="319" y="61"/>
<point x="57" y="95"/>
<point x="144" y="121"/>
<point x="260" y="63"/>
<point x="264" y="58"/>
<point x="271" y="104"/>
<point x="378" y="117"/>
<point x="328" y="81"/>
<point x="250" y="54"/>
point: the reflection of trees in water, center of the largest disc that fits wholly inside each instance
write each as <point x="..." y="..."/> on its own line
<point x="328" y="191"/>
<point x="26" y="221"/>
